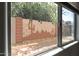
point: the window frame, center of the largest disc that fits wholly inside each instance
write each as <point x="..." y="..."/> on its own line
<point x="59" y="40"/>
<point x="9" y="27"/>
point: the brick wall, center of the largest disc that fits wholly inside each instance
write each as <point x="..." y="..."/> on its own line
<point x="26" y="30"/>
<point x="19" y="29"/>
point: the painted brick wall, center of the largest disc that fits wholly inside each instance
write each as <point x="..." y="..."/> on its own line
<point x="26" y="30"/>
<point x="38" y="30"/>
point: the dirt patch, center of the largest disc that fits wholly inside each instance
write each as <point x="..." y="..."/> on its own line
<point x="30" y="47"/>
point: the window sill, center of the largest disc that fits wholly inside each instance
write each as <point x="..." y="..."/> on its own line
<point x="57" y="50"/>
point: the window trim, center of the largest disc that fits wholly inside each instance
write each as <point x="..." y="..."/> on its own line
<point x="75" y="27"/>
<point x="9" y="27"/>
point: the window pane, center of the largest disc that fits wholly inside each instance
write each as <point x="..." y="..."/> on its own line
<point x="33" y="27"/>
<point x="67" y="25"/>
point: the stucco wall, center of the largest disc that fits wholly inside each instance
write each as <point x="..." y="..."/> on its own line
<point x="13" y="30"/>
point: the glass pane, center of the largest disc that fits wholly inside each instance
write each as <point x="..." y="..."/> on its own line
<point x="67" y="26"/>
<point x="33" y="27"/>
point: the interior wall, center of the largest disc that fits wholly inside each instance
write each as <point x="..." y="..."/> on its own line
<point x="2" y="29"/>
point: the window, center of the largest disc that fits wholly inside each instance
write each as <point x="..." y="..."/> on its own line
<point x="67" y="25"/>
<point x="33" y="27"/>
<point x="37" y="27"/>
